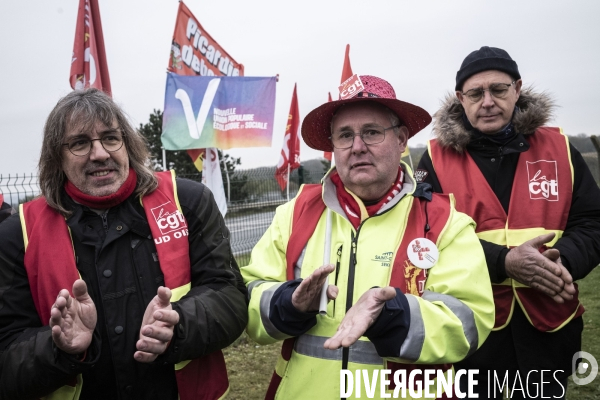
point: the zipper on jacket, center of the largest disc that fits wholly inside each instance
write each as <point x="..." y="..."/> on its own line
<point x="337" y="263"/>
<point x="350" y="292"/>
<point x="337" y="271"/>
<point x="104" y="217"/>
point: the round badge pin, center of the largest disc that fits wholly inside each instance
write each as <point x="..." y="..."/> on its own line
<point x="422" y="253"/>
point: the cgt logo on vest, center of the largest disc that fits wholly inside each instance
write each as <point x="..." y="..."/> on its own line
<point x="169" y="219"/>
<point x="543" y="180"/>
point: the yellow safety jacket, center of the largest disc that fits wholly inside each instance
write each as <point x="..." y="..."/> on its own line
<point x="451" y="305"/>
<point x="539" y="203"/>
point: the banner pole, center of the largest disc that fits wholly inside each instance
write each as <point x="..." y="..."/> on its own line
<point x="164" y="154"/>
<point x="323" y="300"/>
<point x="288" y="182"/>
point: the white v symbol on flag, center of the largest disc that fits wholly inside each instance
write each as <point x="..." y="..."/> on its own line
<point x="195" y="127"/>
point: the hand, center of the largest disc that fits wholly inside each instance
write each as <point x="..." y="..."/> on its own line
<point x="527" y="265"/>
<point x="73" y="319"/>
<point x="307" y="295"/>
<point x="569" y="289"/>
<point x="157" y="327"/>
<point x="360" y="317"/>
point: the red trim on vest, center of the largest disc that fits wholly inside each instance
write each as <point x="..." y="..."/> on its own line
<point x="51" y="267"/>
<point x="503" y="303"/>
<point x="405" y="276"/>
<point x="273" y="386"/>
<point x="286" y="353"/>
<point x="546" y="314"/>
<point x="203" y="378"/>
<point x="170" y="232"/>
<point x="307" y="211"/>
<point x="450" y="168"/>
<point x="50" y="264"/>
<point x="541" y="197"/>
<point x="1" y="199"/>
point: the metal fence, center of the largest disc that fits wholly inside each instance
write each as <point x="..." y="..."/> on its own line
<point x="253" y="196"/>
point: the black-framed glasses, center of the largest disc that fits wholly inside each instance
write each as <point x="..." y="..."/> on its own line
<point x="82" y="146"/>
<point x="497" y="90"/>
<point x="369" y="135"/>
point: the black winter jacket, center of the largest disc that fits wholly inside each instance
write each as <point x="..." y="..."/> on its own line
<point x="5" y="211"/>
<point x="580" y="244"/>
<point x="116" y="256"/>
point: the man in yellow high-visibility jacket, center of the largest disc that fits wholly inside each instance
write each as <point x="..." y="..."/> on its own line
<point x="396" y="258"/>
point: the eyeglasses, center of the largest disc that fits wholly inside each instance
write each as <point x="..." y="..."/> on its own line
<point x="82" y="146"/>
<point x="369" y="135"/>
<point x="497" y="90"/>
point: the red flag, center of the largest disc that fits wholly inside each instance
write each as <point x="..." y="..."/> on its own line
<point x="347" y="69"/>
<point x="327" y="154"/>
<point x="346" y="73"/>
<point x="290" y="153"/>
<point x="195" y="52"/>
<point x="88" y="65"/>
<point x="197" y="156"/>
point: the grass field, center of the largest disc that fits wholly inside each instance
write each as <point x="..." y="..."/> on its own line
<point x="250" y="366"/>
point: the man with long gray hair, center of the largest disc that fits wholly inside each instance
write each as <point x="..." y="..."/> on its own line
<point x="117" y="282"/>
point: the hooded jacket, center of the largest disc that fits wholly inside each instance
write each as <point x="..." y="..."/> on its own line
<point x="580" y="245"/>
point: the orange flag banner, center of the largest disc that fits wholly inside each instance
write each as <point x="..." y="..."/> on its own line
<point x="346" y="73"/>
<point x="194" y="52"/>
<point x="290" y="152"/>
<point x="88" y="64"/>
<point x="327" y="154"/>
<point x="347" y="69"/>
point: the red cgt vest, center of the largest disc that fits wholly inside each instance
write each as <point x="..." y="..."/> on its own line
<point x="51" y="267"/>
<point x="539" y="203"/>
<point x="309" y="208"/>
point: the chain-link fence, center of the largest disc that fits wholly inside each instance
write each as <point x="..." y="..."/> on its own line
<point x="253" y="196"/>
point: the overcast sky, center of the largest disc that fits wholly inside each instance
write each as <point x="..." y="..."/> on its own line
<point x="415" y="45"/>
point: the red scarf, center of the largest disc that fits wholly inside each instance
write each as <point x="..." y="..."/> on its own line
<point x="104" y="202"/>
<point x="354" y="208"/>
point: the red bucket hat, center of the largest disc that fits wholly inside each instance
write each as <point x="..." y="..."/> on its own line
<point x="316" y="127"/>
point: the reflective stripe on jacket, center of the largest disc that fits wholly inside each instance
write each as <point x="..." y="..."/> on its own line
<point x="540" y="202"/>
<point x="202" y="378"/>
<point x="449" y="319"/>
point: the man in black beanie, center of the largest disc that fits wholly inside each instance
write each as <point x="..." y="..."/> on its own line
<point x="537" y="209"/>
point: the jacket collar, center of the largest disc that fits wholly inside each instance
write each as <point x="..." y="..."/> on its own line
<point x="534" y="110"/>
<point x="331" y="201"/>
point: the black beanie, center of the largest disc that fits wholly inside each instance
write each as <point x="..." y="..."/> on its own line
<point x="484" y="59"/>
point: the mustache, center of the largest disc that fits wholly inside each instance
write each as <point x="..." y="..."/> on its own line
<point x="96" y="165"/>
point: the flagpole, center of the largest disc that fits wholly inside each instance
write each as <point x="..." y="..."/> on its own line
<point x="288" y="182"/>
<point x="164" y="159"/>
<point x="228" y="185"/>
